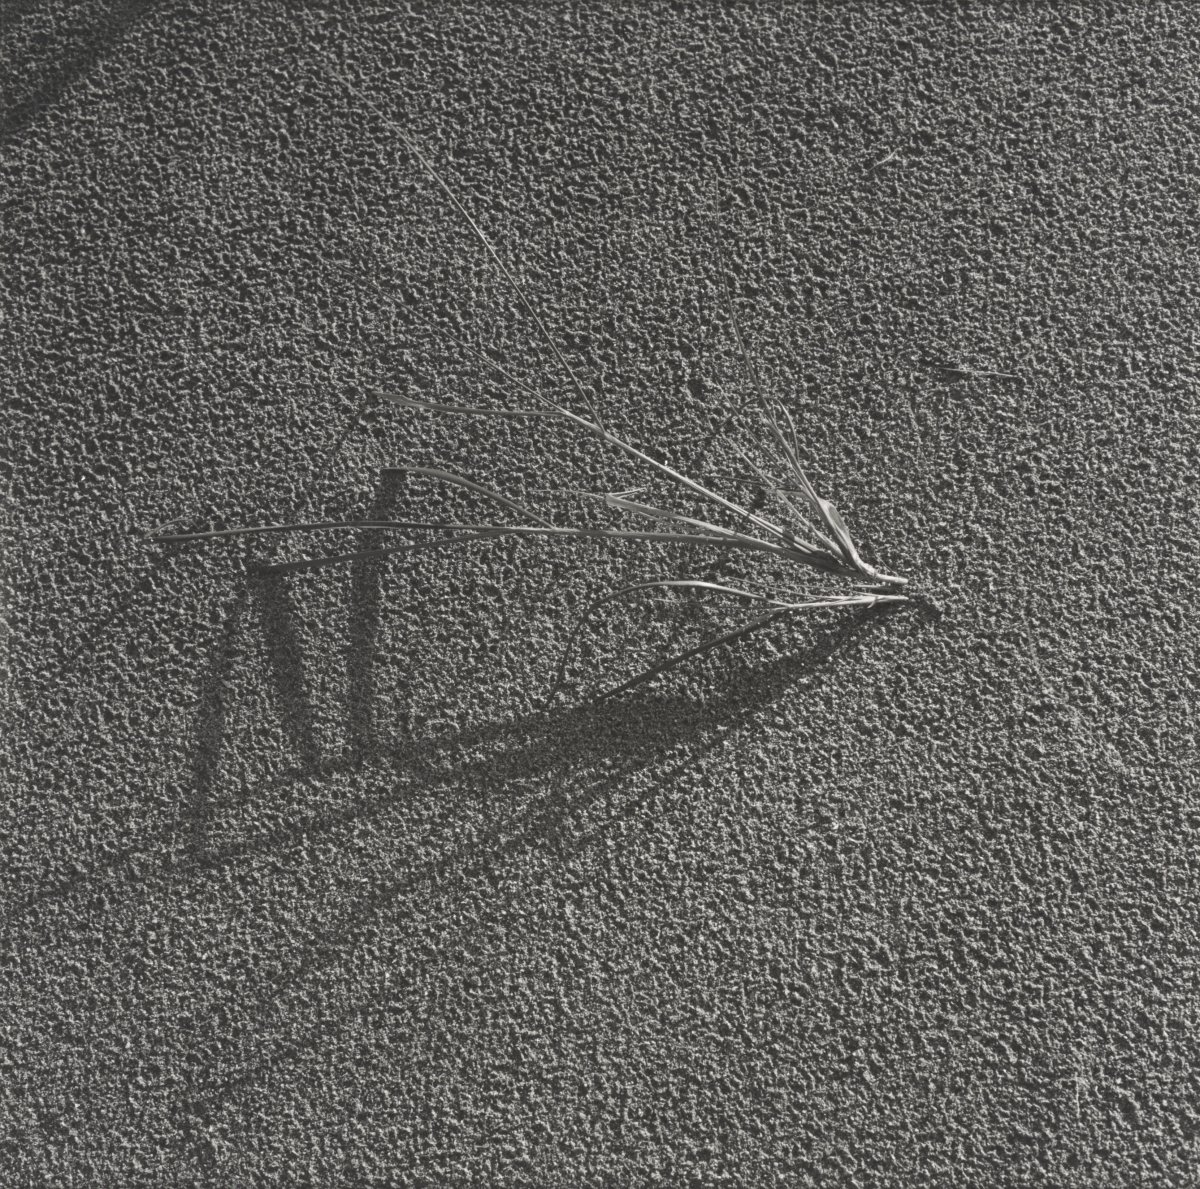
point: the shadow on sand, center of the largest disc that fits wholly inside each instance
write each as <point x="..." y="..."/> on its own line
<point x="560" y="779"/>
<point x="622" y="735"/>
<point x="582" y="764"/>
<point x="105" y="25"/>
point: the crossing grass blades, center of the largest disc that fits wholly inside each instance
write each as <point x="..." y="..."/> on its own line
<point x="816" y="538"/>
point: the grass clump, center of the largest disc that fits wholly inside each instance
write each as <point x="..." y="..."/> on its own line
<point x="810" y="535"/>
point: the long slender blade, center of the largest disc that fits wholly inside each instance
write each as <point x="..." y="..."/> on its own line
<point x="470" y="485"/>
<point x="429" y="406"/>
<point x="312" y="563"/>
<point x="505" y="271"/>
<point x="778" y="607"/>
<point x="647" y="510"/>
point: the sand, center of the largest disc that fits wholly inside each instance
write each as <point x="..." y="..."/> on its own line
<point x="310" y="876"/>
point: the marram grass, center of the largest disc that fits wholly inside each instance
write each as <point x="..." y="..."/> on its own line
<point x="810" y="535"/>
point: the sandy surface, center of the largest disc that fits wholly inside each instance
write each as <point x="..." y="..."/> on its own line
<point x="304" y="881"/>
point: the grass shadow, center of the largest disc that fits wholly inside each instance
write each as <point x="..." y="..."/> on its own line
<point x="636" y="727"/>
<point x="582" y="762"/>
<point x="108" y="25"/>
<point x="285" y="654"/>
<point x="366" y="584"/>
<point x="210" y="733"/>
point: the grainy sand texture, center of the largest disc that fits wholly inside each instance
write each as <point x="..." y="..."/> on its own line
<point x="312" y="876"/>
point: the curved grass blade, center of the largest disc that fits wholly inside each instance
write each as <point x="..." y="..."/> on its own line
<point x="470" y="485"/>
<point x="612" y="596"/>
<point x="837" y="525"/>
<point x="842" y="542"/>
<point x="768" y="485"/>
<point x="779" y="606"/>
<point x="430" y="406"/>
<point x="312" y="563"/>
<point x="652" y="513"/>
<point x="750" y="544"/>
<point x="834" y="519"/>
<point x="736" y="633"/>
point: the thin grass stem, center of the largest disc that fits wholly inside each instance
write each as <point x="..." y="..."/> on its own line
<point x="508" y="275"/>
<point x="748" y="544"/>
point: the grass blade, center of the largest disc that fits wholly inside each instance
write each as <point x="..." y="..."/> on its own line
<point x="611" y="438"/>
<point x="768" y="485"/>
<point x="504" y="270"/>
<point x="613" y="595"/>
<point x="749" y="544"/>
<point x="728" y="637"/>
<point x="311" y="563"/>
<point x="430" y="406"/>
<point x="469" y="485"/>
<point x="778" y="607"/>
<point x="627" y="505"/>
